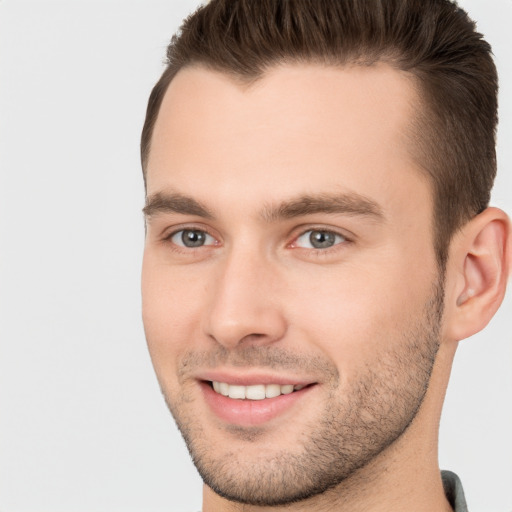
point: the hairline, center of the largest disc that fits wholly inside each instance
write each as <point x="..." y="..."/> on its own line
<point x="420" y="118"/>
<point x="247" y="80"/>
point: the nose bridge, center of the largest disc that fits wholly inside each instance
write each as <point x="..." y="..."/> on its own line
<point x="244" y="303"/>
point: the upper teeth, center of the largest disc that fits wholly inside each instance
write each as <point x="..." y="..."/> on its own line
<point x="257" y="392"/>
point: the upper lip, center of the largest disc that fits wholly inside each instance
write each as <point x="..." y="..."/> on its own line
<point x="252" y="378"/>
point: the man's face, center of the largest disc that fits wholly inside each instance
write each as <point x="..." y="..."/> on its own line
<point x="289" y="260"/>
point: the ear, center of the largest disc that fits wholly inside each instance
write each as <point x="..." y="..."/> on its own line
<point x="477" y="273"/>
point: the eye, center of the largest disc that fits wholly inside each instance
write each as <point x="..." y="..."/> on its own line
<point x="192" y="238"/>
<point x="319" y="239"/>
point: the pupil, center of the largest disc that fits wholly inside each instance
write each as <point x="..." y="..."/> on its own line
<point x="192" y="238"/>
<point x="321" y="239"/>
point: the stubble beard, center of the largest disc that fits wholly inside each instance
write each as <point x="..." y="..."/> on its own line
<point x="354" y="429"/>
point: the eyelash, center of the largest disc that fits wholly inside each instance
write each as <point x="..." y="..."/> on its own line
<point x="318" y="252"/>
<point x="183" y="249"/>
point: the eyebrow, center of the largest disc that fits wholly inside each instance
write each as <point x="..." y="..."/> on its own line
<point x="347" y="203"/>
<point x="174" y="203"/>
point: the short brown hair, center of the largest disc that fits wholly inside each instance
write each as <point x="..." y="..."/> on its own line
<point x="433" y="40"/>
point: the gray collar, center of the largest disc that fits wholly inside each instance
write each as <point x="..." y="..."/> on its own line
<point x="454" y="492"/>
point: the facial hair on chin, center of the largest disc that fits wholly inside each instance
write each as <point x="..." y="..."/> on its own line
<point x="355" y="426"/>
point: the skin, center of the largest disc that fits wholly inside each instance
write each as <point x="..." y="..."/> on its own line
<point x="257" y="300"/>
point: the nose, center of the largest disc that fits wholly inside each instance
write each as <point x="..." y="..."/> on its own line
<point x="244" y="302"/>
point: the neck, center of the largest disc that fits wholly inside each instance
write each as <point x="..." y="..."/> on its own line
<point x="415" y="485"/>
<point x="405" y="476"/>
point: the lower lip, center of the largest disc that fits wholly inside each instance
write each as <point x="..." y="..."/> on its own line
<point x="250" y="412"/>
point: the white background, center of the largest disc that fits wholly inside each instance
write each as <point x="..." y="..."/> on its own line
<point x="83" y="427"/>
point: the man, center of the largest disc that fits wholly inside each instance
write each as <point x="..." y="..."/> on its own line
<point x="318" y="241"/>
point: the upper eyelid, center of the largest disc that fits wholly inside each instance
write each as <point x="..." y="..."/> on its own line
<point x="332" y="231"/>
<point x="349" y="236"/>
<point x="294" y="234"/>
<point x="170" y="231"/>
<point x="336" y="246"/>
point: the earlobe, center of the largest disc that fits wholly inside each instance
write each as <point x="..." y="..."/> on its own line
<point x="482" y="264"/>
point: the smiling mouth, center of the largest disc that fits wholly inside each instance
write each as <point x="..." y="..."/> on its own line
<point x="254" y="392"/>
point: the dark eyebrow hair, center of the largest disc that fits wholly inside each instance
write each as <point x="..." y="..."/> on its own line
<point x="174" y="203"/>
<point x="348" y="203"/>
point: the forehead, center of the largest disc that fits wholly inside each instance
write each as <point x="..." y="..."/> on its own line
<point x="298" y="129"/>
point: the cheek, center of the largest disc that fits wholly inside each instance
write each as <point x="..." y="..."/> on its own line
<point x="354" y="315"/>
<point x="170" y="313"/>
